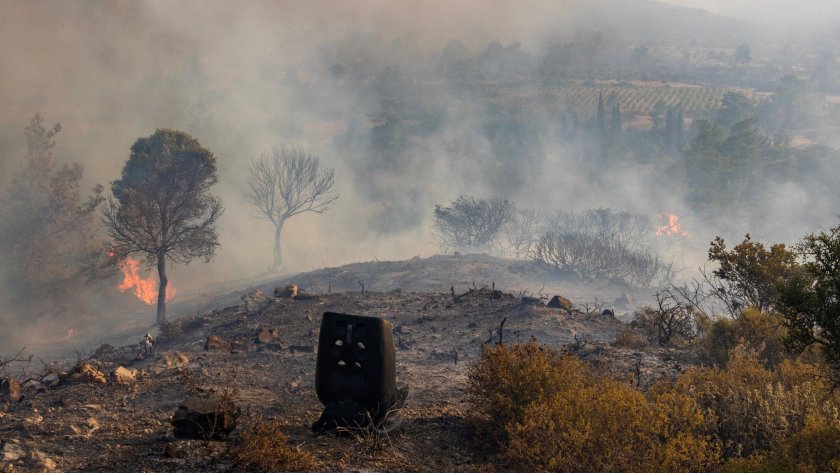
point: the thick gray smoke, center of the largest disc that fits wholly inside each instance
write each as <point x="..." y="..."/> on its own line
<point x="338" y="78"/>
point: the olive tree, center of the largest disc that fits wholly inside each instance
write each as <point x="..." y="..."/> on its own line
<point x="162" y="208"/>
<point x="286" y="183"/>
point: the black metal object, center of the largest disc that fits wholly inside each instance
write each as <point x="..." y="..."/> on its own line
<point x="355" y="375"/>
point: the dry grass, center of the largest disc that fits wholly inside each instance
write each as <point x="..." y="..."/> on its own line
<point x="265" y="448"/>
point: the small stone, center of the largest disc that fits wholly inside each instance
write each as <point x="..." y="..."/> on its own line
<point x="12" y="452"/>
<point x="255" y="302"/>
<point x="92" y="424"/>
<point x="290" y="291"/>
<point x="267" y="335"/>
<point x="90" y="374"/>
<point x="215" y="343"/>
<point x="123" y="375"/>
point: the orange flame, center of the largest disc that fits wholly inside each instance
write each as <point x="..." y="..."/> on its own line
<point x="671" y="226"/>
<point x="144" y="288"/>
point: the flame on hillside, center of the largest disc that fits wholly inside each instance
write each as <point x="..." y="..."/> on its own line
<point x="671" y="226"/>
<point x="144" y="288"/>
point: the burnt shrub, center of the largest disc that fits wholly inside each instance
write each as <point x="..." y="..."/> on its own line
<point x="471" y="223"/>
<point x="265" y="448"/>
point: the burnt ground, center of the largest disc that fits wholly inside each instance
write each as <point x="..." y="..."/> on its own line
<point x="88" y="426"/>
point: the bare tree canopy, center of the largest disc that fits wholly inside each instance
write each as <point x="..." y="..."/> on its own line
<point x="471" y="223"/>
<point x="286" y="183"/>
<point x="162" y="207"/>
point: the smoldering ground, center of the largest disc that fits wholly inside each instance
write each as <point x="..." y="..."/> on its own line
<point x="359" y="84"/>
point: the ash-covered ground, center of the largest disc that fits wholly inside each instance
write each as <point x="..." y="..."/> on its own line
<point x="262" y="353"/>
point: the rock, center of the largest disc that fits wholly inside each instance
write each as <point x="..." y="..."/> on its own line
<point x="205" y="417"/>
<point x="86" y="373"/>
<point x="625" y="300"/>
<point x="266" y="335"/>
<point x="255" y="301"/>
<point x="290" y="291"/>
<point x="123" y="375"/>
<point x="12" y="452"/>
<point x="560" y="302"/>
<point x="216" y="343"/>
<point x="607" y="313"/>
<point x="10" y="390"/>
<point x="175" y="359"/>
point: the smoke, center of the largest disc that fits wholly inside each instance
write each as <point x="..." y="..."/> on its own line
<point x="362" y="85"/>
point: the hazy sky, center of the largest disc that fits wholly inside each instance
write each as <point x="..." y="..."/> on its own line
<point x="777" y="12"/>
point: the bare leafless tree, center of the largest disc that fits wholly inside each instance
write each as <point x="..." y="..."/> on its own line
<point x="471" y="223"/>
<point x="288" y="182"/>
<point x="521" y="233"/>
<point x="671" y="319"/>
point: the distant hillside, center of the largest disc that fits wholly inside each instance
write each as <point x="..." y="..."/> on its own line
<point x="652" y="22"/>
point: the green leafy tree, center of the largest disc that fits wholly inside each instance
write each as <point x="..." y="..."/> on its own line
<point x="810" y="301"/>
<point x="162" y="207"/>
<point x="734" y="108"/>
<point x="750" y="274"/>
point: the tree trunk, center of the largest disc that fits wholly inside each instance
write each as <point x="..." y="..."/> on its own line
<point x="278" y="253"/>
<point x="161" y="302"/>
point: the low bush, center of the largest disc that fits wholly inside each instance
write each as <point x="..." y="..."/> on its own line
<point x="547" y="412"/>
<point x="758" y="331"/>
<point x="757" y="408"/>
<point x="816" y="448"/>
